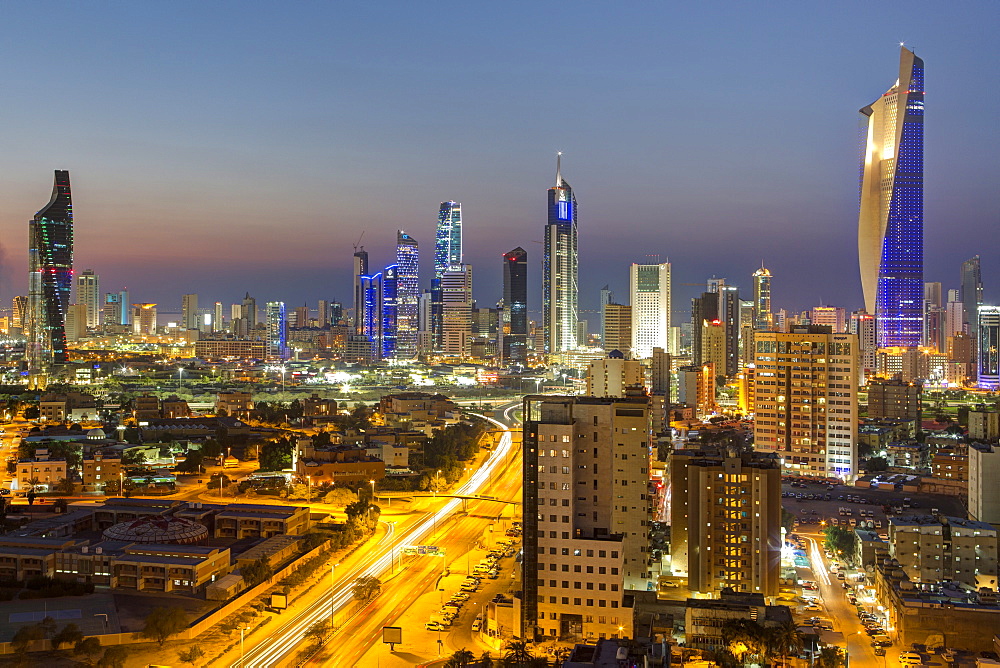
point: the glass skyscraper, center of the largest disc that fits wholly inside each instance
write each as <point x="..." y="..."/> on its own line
<point x="50" y="276"/>
<point x="515" y="306"/>
<point x="390" y="312"/>
<point x="407" y="295"/>
<point x="971" y="294"/>
<point x="891" y="218"/>
<point x="763" y="317"/>
<point x="447" y="255"/>
<point x="559" y="268"/>
<point x="277" y="331"/>
<point x="988" y="362"/>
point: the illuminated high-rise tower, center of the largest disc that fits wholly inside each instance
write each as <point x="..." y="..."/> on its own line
<point x="88" y="293"/>
<point x="515" y="306"/>
<point x="559" y="268"/>
<point x="764" y="318"/>
<point x="407" y="295"/>
<point x="649" y="285"/>
<point x="50" y="276"/>
<point x="970" y="293"/>
<point x="447" y="255"/>
<point x="891" y="218"/>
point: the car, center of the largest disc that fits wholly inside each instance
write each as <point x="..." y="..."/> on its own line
<point x="910" y="659"/>
<point x="434" y="626"/>
<point x="477" y="623"/>
<point x="4" y="492"/>
<point x="879" y="651"/>
<point x="460" y="596"/>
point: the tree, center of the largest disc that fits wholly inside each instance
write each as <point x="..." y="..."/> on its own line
<point x="192" y="462"/>
<point x="318" y="631"/>
<point x="133" y="457"/>
<point x="830" y="657"/>
<point x="875" y="464"/>
<point x="486" y="660"/>
<point x="68" y="635"/>
<point x="839" y="541"/>
<point x="162" y="623"/>
<point x="48" y="626"/>
<point x="89" y="647"/>
<point x="65" y="486"/>
<point x="31" y="496"/>
<point x="366" y="588"/>
<point x="31" y="413"/>
<point x="516" y="654"/>
<point x="460" y="659"/>
<point x="786" y="639"/>
<point x="192" y="656"/>
<point x="25" y="636"/>
<point x="114" y="657"/>
<point x="257" y="571"/>
<point x="211" y="448"/>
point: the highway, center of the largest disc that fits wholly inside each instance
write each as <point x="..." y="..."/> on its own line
<point x="374" y="561"/>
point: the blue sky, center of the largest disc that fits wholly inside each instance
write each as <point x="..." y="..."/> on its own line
<point x="224" y="147"/>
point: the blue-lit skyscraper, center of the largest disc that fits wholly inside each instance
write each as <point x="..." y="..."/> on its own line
<point x="891" y="218"/>
<point x="390" y="312"/>
<point x="407" y="295"/>
<point x="988" y="363"/>
<point x="50" y="276"/>
<point x="277" y="331"/>
<point x="447" y="254"/>
<point x="559" y="268"/>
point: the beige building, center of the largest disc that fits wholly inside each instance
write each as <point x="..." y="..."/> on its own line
<point x="984" y="425"/>
<point x="236" y="404"/>
<point x="984" y="490"/>
<point x="935" y="548"/>
<point x="725" y="520"/>
<point x="245" y="520"/>
<point x="617" y="328"/>
<point x="586" y="514"/>
<point x="230" y="349"/>
<point x="98" y="469"/>
<point x="713" y="344"/>
<point x="41" y="473"/>
<point x="806" y="401"/>
<point x="610" y="376"/>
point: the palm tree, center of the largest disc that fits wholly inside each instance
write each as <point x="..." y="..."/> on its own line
<point x="460" y="659"/>
<point x="786" y="639"/>
<point x="517" y="654"/>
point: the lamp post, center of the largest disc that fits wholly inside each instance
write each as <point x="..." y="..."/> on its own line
<point x="308" y="489"/>
<point x="242" y="629"/>
<point x="372" y="482"/>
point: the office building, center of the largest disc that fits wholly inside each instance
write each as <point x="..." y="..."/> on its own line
<point x="50" y="277"/>
<point x="890" y="221"/>
<point x="971" y="294"/>
<point x="189" y="312"/>
<point x="696" y="388"/>
<point x="894" y="399"/>
<point x="360" y="272"/>
<point x="984" y="492"/>
<point x="277" y="331"/>
<point x="407" y="295"/>
<point x="586" y="514"/>
<point x="88" y="293"/>
<point x="218" y="319"/>
<point x="607" y="297"/>
<point x="721" y="303"/>
<point x="834" y="317"/>
<point x="725" y="520"/>
<point x="144" y="319"/>
<point x="388" y="315"/>
<point x="988" y="346"/>
<point x="862" y="325"/>
<point x="806" y="400"/>
<point x="764" y="318"/>
<point x="456" y="311"/>
<point x="515" y="306"/>
<point x="559" y="268"/>
<point x="617" y="328"/>
<point x="713" y="344"/>
<point x="76" y="322"/>
<point x="649" y="286"/>
<point x="19" y="312"/>
<point x="447" y="254"/>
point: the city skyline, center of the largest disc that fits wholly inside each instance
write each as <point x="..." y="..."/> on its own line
<point x="207" y="201"/>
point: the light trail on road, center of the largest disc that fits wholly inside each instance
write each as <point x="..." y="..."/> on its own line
<point x="288" y="637"/>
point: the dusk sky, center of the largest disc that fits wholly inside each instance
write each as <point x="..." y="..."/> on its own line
<point x="220" y="148"/>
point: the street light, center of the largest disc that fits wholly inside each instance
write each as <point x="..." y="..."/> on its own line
<point x="372" y="482"/>
<point x="308" y="489"/>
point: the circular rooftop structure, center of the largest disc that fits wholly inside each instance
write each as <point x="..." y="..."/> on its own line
<point x="96" y="435"/>
<point x="157" y="529"/>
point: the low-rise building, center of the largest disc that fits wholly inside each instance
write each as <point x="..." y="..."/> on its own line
<point x="69" y="406"/>
<point x="935" y="548"/>
<point x="40" y="473"/>
<point x="705" y="619"/>
<point x="244" y="520"/>
<point x="98" y="469"/>
<point x="984" y="424"/>
<point x="168" y="568"/>
<point x="339" y="464"/>
<point x="235" y="404"/>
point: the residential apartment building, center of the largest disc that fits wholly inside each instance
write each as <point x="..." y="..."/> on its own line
<point x="984" y="492"/>
<point x="934" y="548"/>
<point x="617" y="333"/>
<point x="610" y="376"/>
<point x="806" y="400"/>
<point x="725" y="520"/>
<point x="586" y="513"/>
<point x="98" y="469"/>
<point x="984" y="425"/>
<point x="894" y="399"/>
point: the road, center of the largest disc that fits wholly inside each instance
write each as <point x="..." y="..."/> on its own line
<point x="374" y="561"/>
<point x="414" y="598"/>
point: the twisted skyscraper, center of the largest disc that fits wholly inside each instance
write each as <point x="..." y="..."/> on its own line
<point x="50" y="276"/>
<point x="891" y="219"/>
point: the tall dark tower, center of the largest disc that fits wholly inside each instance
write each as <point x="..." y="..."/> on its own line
<point x="50" y="276"/>
<point x="360" y="270"/>
<point x="515" y="306"/>
<point x="559" y="268"/>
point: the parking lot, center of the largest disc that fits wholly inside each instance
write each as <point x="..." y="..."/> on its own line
<point x="872" y="501"/>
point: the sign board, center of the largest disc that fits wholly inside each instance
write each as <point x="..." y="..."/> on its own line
<point x="279" y="601"/>
<point x="392" y="636"/>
